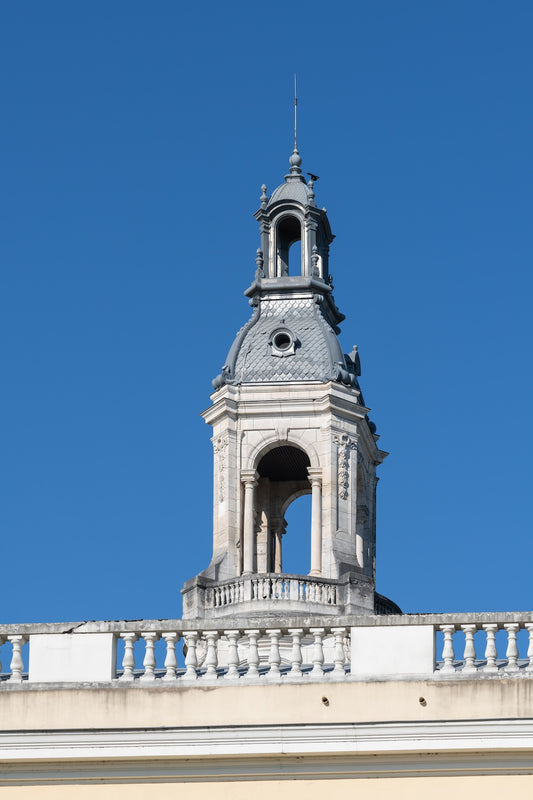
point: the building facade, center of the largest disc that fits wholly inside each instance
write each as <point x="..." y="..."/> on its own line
<point x="272" y="681"/>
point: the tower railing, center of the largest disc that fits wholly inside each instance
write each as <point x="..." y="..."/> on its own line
<point x="274" y="587"/>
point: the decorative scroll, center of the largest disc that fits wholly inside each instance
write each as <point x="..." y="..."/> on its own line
<point x="345" y="444"/>
<point x="219" y="447"/>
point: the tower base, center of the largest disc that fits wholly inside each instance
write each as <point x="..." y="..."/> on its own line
<point x="272" y="594"/>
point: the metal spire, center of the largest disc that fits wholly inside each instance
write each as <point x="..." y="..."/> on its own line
<point x="295" y="161"/>
<point x="295" y="113"/>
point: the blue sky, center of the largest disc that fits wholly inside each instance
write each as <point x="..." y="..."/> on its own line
<point x="135" y="138"/>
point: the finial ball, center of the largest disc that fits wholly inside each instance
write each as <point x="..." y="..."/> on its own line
<point x="295" y="159"/>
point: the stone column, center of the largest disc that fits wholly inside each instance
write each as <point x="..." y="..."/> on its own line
<point x="315" y="476"/>
<point x="249" y="479"/>
<point x="277" y="527"/>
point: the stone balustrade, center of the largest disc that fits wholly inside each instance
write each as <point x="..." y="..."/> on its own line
<point x="264" y="594"/>
<point x="281" y="588"/>
<point x="148" y="652"/>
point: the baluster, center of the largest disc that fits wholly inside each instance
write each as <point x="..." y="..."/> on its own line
<point x="191" y="661"/>
<point x="512" y="649"/>
<point x="470" y="650"/>
<point x="128" y="662"/>
<point x="17" y="665"/>
<point x="338" y="653"/>
<point x="233" y="655"/>
<point x="296" y="653"/>
<point x="274" y="657"/>
<point x="529" y="628"/>
<point x="491" y="653"/>
<point x="253" y="654"/>
<point x="448" y="654"/>
<point x="318" y="653"/>
<point x="2" y="640"/>
<point x="171" y="663"/>
<point x="211" y="659"/>
<point x="150" y="637"/>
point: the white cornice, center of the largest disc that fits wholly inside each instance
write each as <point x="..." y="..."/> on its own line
<point x="269" y="740"/>
<point x="477" y="748"/>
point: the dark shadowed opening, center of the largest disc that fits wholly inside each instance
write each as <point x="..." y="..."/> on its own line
<point x="284" y="463"/>
<point x="289" y="232"/>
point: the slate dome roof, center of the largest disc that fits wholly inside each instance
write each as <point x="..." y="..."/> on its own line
<point x="292" y="189"/>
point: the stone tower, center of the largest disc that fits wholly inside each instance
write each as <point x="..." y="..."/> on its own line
<point x="289" y="419"/>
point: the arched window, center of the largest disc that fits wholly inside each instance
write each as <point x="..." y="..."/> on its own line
<point x="282" y="478"/>
<point x="289" y="232"/>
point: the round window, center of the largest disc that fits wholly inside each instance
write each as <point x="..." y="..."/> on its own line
<point x="282" y="340"/>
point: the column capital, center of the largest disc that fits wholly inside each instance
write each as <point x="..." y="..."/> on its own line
<point x="249" y="476"/>
<point x="315" y="474"/>
<point x="278" y="525"/>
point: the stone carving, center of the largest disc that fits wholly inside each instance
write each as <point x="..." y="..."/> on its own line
<point x="314" y="262"/>
<point x="219" y="447"/>
<point x="345" y="444"/>
<point x="259" y="272"/>
<point x="282" y="432"/>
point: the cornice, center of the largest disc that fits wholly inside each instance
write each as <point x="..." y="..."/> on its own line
<point x="471" y="747"/>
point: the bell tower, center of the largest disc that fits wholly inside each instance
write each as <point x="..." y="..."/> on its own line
<point x="289" y="419"/>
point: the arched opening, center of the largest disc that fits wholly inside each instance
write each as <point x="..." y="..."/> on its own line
<point x="295" y="257"/>
<point x="296" y="552"/>
<point x="289" y="232"/>
<point x="283" y="475"/>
